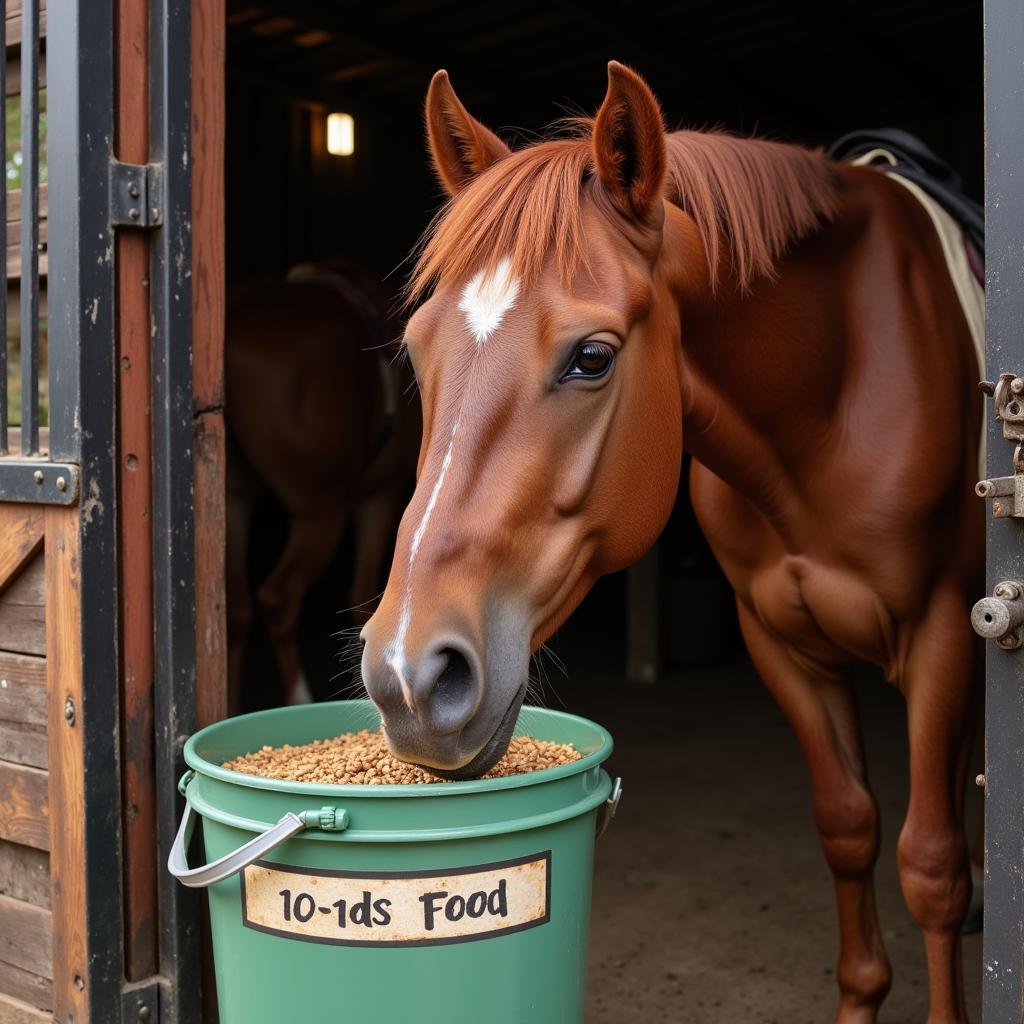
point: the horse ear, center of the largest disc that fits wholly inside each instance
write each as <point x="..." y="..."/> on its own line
<point x="629" y="143"/>
<point x="459" y="144"/>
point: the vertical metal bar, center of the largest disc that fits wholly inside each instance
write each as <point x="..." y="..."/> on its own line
<point x="1003" y="947"/>
<point x="80" y="87"/>
<point x="29" y="227"/>
<point x="4" y="415"/>
<point x="174" y="642"/>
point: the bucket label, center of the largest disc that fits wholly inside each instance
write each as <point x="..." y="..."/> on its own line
<point x="398" y="908"/>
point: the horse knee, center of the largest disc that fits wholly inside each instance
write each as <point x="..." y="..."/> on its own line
<point x="935" y="876"/>
<point x="848" y="825"/>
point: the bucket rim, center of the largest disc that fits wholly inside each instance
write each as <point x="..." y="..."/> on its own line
<point x="393" y="791"/>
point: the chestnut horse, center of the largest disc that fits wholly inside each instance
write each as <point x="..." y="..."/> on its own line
<point x="318" y="414"/>
<point x="599" y="298"/>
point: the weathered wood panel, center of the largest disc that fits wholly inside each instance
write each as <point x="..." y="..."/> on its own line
<point x="67" y="763"/>
<point x="24" y="806"/>
<point x="25" y="986"/>
<point x="23" y="744"/>
<point x="135" y="520"/>
<point x="23" y="709"/>
<point x="22" y="612"/>
<point x="22" y="689"/>
<point x="208" y="305"/>
<point x="26" y="937"/>
<point x="24" y="874"/>
<point x="14" y="1011"/>
<point x="21" y="536"/>
<point x="14" y="21"/>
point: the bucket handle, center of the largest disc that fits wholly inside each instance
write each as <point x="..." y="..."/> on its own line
<point x="607" y="810"/>
<point x="330" y="819"/>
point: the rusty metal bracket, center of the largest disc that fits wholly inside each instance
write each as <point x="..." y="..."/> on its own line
<point x="1007" y="492"/>
<point x="136" y="195"/>
<point x="1001" y="616"/>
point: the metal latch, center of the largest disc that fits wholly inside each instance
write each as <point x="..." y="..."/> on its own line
<point x="1001" y="616"/>
<point x="1007" y="492"/>
<point x="136" y="195"/>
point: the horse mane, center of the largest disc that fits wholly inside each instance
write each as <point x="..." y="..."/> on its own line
<point x="750" y="199"/>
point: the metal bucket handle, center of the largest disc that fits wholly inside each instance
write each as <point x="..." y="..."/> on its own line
<point x="329" y="819"/>
<point x="607" y="810"/>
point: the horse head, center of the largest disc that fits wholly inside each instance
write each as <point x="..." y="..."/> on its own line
<point x="549" y="365"/>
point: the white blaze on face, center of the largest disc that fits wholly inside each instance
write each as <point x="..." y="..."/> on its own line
<point x="485" y="301"/>
<point x="487" y="298"/>
<point x="396" y="657"/>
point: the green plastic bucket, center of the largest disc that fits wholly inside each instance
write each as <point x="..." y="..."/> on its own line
<point x="452" y="903"/>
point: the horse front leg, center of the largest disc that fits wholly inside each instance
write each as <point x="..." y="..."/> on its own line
<point x="313" y="538"/>
<point x="821" y="710"/>
<point x="939" y="683"/>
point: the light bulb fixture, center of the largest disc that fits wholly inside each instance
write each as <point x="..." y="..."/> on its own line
<point x="341" y="134"/>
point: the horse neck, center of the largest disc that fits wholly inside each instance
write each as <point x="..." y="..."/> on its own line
<point x="763" y="370"/>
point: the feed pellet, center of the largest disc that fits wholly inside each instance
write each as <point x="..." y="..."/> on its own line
<point x="363" y="757"/>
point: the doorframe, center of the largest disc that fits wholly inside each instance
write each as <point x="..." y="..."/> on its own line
<point x="1003" y="940"/>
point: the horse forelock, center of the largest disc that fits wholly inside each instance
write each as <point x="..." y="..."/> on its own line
<point x="751" y="199"/>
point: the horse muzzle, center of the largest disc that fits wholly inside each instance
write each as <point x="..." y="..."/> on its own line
<point x="447" y="704"/>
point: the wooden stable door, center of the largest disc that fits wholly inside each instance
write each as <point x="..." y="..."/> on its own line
<point x="111" y="499"/>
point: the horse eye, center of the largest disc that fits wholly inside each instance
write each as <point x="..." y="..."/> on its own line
<point x="590" y="361"/>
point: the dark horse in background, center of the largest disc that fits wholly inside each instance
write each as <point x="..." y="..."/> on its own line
<point x="595" y="300"/>
<point x="319" y="414"/>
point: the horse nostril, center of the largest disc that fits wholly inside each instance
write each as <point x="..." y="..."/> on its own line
<point x="453" y="696"/>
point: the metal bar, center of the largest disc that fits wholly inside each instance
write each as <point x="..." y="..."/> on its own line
<point x="80" y="88"/>
<point x="29" y="227"/>
<point x="174" y="642"/>
<point x="4" y="411"/>
<point x="1003" y="944"/>
<point x="38" y="481"/>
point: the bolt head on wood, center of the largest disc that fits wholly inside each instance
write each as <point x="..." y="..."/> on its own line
<point x="69" y="711"/>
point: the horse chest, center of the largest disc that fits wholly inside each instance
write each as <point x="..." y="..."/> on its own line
<point x="821" y="611"/>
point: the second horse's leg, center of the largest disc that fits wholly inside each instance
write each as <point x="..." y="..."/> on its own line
<point x="820" y="707"/>
<point x="312" y="541"/>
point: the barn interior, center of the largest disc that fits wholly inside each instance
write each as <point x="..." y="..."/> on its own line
<point x="712" y="901"/>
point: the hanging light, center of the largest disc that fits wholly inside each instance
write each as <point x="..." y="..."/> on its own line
<point x="341" y="134"/>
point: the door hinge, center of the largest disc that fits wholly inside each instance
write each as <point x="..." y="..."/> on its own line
<point x="136" y="195"/>
<point x="140" y="1003"/>
<point x="1007" y="492"/>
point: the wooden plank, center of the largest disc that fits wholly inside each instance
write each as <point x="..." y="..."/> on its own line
<point x="21" y="536"/>
<point x="14" y="1011"/>
<point x="67" y="763"/>
<point x="14" y="205"/>
<point x="27" y="987"/>
<point x="23" y="744"/>
<point x="23" y="613"/>
<point x="26" y="936"/>
<point x="24" y="806"/>
<point x="208" y="314"/>
<point x="14" y="251"/>
<point x="24" y="874"/>
<point x="210" y="543"/>
<point x="135" y="523"/>
<point x="208" y="305"/>
<point x="14" y="23"/>
<point x="22" y="689"/>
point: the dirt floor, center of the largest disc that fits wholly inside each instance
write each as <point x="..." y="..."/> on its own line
<point x="712" y="900"/>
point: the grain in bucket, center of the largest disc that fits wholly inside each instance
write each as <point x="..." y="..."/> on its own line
<point x="453" y="902"/>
